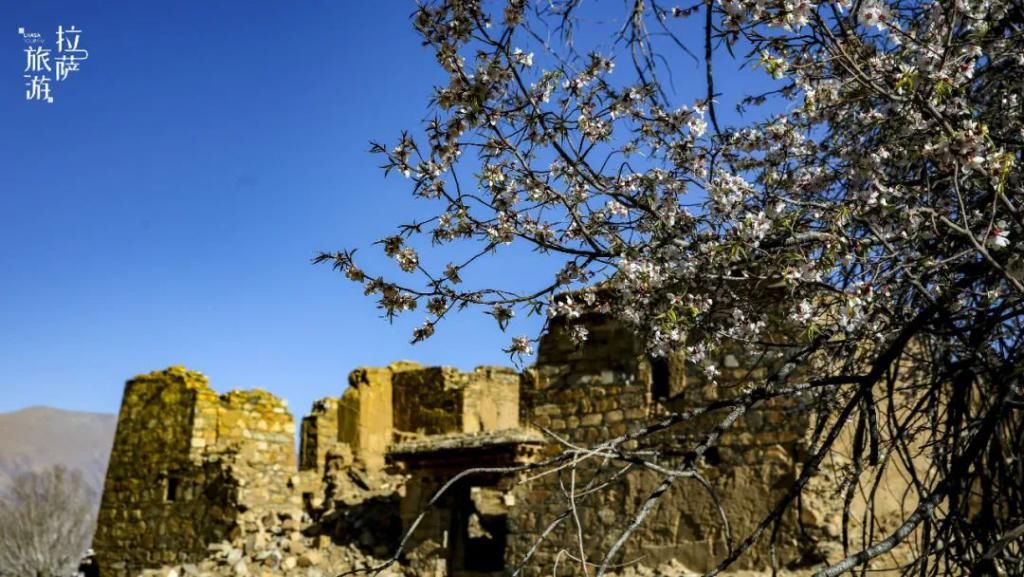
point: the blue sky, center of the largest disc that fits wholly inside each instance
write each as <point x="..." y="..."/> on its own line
<point x="164" y="209"/>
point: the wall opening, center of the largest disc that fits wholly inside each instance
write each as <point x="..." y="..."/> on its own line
<point x="660" y="386"/>
<point x="477" y="538"/>
<point x="712" y="456"/>
<point x="172" y="488"/>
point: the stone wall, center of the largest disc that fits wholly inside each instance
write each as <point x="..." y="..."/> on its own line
<point x="186" y="467"/>
<point x="610" y="386"/>
<point x="441" y="400"/>
<point x="319" y="434"/>
<point x="465" y="531"/>
<point x="191" y="467"/>
<point x="365" y="414"/>
<point x="258" y="428"/>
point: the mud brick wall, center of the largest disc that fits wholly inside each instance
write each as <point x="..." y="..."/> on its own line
<point x="585" y="396"/>
<point x="365" y="416"/>
<point x="186" y="466"/>
<point x="490" y="400"/>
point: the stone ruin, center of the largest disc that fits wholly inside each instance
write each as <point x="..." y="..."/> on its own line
<point x="202" y="484"/>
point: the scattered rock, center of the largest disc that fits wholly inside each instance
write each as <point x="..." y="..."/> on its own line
<point x="309" y="559"/>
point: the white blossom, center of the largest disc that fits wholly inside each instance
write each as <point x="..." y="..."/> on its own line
<point x="875" y="13"/>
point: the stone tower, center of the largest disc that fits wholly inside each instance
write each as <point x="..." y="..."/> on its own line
<point x="189" y="468"/>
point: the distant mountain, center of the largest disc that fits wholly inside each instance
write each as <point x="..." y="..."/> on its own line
<point x="37" y="437"/>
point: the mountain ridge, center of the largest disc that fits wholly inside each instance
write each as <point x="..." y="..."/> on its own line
<point x="39" y="436"/>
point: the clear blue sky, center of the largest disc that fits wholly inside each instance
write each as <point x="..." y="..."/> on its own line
<point x="163" y="210"/>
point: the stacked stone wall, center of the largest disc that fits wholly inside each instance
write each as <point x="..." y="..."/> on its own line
<point x="148" y="515"/>
<point x="443" y="400"/>
<point x="187" y="468"/>
<point x="583" y="396"/>
<point x="428" y="401"/>
<point x="608" y="388"/>
<point x="258" y="428"/>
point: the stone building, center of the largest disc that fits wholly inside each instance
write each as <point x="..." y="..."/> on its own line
<point x="608" y="389"/>
<point x="192" y="469"/>
<point x="188" y="467"/>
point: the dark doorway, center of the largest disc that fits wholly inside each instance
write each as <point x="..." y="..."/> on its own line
<point x="477" y="536"/>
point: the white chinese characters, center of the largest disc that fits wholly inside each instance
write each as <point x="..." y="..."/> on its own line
<point x="43" y="66"/>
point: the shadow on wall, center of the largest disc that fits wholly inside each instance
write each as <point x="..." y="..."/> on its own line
<point x="373" y="526"/>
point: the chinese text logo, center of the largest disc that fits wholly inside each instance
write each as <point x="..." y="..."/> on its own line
<point x="43" y="66"/>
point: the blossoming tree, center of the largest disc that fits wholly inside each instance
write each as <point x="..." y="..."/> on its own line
<point x="873" y="186"/>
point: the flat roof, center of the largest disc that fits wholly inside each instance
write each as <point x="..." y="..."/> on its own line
<point x="467" y="442"/>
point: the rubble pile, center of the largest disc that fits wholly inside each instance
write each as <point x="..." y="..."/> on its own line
<point x="279" y="545"/>
<point x="674" y="568"/>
